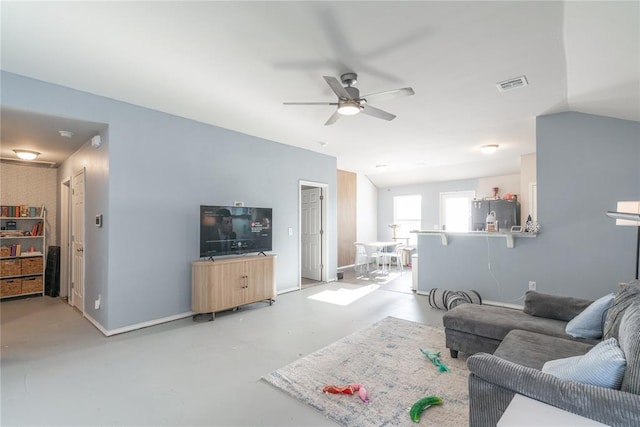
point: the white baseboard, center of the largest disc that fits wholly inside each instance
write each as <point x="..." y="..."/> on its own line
<point x="130" y="328"/>
<point x="503" y="304"/>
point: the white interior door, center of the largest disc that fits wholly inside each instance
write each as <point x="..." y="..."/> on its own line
<point x="311" y="233"/>
<point x="65" y="238"/>
<point x="77" y="240"/>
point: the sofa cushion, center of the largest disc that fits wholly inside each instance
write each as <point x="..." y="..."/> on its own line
<point x="496" y="322"/>
<point x="553" y="306"/>
<point x="602" y="366"/>
<point x="590" y="322"/>
<point x="629" y="339"/>
<point x="532" y="350"/>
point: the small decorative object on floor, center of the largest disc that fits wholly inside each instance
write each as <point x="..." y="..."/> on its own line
<point x="416" y="410"/>
<point x="348" y="389"/>
<point x="434" y="356"/>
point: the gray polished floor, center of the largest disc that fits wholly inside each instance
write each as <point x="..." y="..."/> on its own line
<point x="57" y="369"/>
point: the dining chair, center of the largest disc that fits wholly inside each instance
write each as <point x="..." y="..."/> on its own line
<point x="397" y="255"/>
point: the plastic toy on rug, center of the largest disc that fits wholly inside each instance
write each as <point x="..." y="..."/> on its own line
<point x="416" y="410"/>
<point x="348" y="389"/>
<point x="434" y="356"/>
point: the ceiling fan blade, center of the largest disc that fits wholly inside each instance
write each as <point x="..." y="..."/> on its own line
<point x="310" y="103"/>
<point x="376" y="112"/>
<point x="334" y="118"/>
<point x="337" y="87"/>
<point x="389" y="94"/>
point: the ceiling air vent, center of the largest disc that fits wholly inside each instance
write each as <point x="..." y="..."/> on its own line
<point x="510" y="84"/>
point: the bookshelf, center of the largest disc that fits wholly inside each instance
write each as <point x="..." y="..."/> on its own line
<point x="22" y="250"/>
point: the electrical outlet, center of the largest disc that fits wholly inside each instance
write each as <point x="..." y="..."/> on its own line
<point x="532" y="286"/>
<point x="97" y="302"/>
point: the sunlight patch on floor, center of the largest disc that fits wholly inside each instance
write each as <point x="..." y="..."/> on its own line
<point x="343" y="296"/>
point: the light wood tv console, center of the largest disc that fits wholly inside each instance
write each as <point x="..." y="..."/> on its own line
<point x="226" y="283"/>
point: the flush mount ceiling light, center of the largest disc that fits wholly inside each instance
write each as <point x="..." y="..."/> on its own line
<point x="26" y="154"/>
<point x="349" y="108"/>
<point x="381" y="167"/>
<point x="489" y="149"/>
<point x="65" y="133"/>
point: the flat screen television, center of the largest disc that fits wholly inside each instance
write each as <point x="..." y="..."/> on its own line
<point x="230" y="230"/>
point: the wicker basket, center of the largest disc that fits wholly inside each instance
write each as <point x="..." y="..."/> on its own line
<point x="5" y="251"/>
<point x="32" y="265"/>
<point x="10" y="267"/>
<point x="9" y="287"/>
<point x="31" y="285"/>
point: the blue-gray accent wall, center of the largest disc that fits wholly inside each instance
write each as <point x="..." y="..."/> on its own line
<point x="148" y="180"/>
<point x="585" y="165"/>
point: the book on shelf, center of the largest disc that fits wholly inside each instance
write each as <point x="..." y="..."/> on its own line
<point x="21" y="211"/>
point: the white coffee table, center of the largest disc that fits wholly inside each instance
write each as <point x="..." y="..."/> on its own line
<point x="524" y="412"/>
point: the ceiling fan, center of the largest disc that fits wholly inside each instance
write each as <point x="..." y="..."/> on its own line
<point x="350" y="102"/>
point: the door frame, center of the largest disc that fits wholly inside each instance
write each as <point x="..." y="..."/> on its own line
<point x="323" y="224"/>
<point x="65" y="238"/>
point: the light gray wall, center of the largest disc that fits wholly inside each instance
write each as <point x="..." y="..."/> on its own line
<point x="160" y="169"/>
<point x="585" y="164"/>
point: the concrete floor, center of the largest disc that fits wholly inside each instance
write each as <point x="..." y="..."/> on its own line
<point x="57" y="369"/>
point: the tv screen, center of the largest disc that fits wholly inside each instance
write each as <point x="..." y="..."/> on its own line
<point x="229" y="230"/>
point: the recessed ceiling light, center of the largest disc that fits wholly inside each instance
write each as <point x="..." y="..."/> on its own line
<point x="381" y="167"/>
<point x="26" y="154"/>
<point x="322" y="143"/>
<point x="65" y="133"/>
<point x="489" y="149"/>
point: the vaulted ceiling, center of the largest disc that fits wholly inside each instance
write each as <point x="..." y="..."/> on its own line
<point x="233" y="64"/>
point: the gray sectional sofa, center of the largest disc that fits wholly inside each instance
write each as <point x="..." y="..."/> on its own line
<point x="509" y="347"/>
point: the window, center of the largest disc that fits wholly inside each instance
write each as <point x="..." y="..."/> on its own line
<point x="407" y="215"/>
<point x="455" y="210"/>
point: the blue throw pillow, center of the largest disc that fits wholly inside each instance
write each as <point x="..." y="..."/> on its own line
<point x="603" y="366"/>
<point x="590" y="322"/>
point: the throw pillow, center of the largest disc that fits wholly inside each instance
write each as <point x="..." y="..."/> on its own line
<point x="589" y="323"/>
<point x="553" y="306"/>
<point x="602" y="366"/>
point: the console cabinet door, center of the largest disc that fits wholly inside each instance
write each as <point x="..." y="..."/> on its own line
<point x="235" y="284"/>
<point x="208" y="293"/>
<point x="260" y="279"/>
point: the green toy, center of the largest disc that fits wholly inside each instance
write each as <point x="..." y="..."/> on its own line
<point x="435" y="359"/>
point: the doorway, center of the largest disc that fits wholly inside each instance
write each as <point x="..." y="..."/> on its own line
<point x="313" y="244"/>
<point x="72" y="239"/>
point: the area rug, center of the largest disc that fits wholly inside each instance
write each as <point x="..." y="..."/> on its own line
<point x="387" y="360"/>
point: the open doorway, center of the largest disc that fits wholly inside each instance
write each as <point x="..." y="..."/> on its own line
<point x="313" y="243"/>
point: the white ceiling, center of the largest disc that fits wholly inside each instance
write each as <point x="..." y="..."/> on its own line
<point x="233" y="64"/>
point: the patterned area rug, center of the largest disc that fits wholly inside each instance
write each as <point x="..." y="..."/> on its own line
<point x="386" y="359"/>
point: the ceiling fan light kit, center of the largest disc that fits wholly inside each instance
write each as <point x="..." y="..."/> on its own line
<point x="351" y="103"/>
<point x="348" y="108"/>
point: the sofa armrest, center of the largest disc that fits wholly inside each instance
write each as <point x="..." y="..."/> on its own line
<point x="494" y="381"/>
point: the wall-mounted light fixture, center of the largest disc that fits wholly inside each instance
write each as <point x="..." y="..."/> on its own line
<point x="26" y="154"/>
